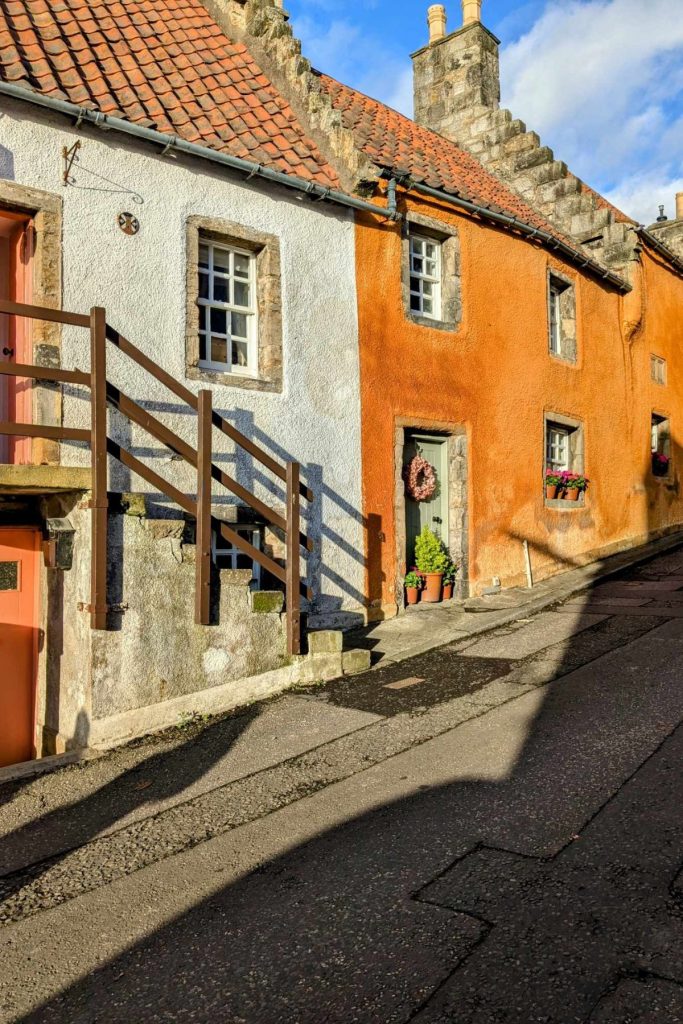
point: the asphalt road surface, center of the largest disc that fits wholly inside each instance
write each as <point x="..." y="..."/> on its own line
<point x="489" y="833"/>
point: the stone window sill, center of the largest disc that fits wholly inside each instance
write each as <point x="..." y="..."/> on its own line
<point x="231" y="380"/>
<point x="564" y="505"/>
<point x="426" y="321"/>
<point x="565" y="360"/>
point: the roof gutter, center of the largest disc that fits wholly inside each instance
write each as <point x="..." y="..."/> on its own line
<point x="578" y="258"/>
<point x="171" y="143"/>
<point x="661" y="248"/>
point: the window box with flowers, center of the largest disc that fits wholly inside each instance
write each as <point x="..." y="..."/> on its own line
<point x="660" y="464"/>
<point x="564" y="487"/>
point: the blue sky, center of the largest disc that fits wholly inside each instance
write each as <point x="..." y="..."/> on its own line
<point x="601" y="81"/>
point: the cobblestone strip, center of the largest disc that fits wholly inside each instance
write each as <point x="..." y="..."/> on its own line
<point x="97" y="863"/>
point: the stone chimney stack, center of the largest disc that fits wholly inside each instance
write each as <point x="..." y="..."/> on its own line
<point x="456" y="77"/>
<point x="679" y="206"/>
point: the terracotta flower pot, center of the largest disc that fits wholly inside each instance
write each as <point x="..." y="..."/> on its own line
<point x="412" y="594"/>
<point x="572" y="494"/>
<point x="447" y="591"/>
<point x="432" y="590"/>
<point x="551" y="491"/>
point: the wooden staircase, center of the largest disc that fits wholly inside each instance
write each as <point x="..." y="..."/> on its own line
<point x="102" y="393"/>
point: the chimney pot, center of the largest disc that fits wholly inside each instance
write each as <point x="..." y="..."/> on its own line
<point x="436" y="20"/>
<point x="471" y="12"/>
<point x="679" y="206"/>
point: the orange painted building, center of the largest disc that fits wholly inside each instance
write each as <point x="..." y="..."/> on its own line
<point x="533" y="351"/>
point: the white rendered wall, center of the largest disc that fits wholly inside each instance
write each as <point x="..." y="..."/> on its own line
<point x="141" y="282"/>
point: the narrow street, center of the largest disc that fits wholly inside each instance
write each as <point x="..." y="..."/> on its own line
<point x="487" y="832"/>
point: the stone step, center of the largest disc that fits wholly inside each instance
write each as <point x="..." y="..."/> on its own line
<point x="532" y="157"/>
<point x="570" y="206"/>
<point x="491" y="119"/>
<point x="494" y="142"/>
<point x="591" y="223"/>
<point x="556" y="170"/>
<point x="547" y="195"/>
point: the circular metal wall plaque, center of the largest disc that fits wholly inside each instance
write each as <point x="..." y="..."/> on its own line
<point x="128" y="223"/>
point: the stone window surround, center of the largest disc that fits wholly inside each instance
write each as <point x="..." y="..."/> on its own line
<point x="577" y="449"/>
<point x="455" y="435"/>
<point x="658" y="368"/>
<point x="568" y="314"/>
<point x="266" y="248"/>
<point x="451" y="300"/>
<point x="45" y="208"/>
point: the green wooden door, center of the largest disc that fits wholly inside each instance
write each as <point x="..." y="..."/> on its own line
<point x="433" y="513"/>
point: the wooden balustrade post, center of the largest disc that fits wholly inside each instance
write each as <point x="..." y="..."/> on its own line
<point x="293" y="567"/>
<point x="98" y="460"/>
<point x="203" y="548"/>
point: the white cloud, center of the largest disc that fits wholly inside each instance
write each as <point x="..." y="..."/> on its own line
<point x="356" y="57"/>
<point x="598" y="79"/>
<point x="643" y="194"/>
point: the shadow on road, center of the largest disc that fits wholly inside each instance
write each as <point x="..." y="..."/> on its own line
<point x="153" y="780"/>
<point x="514" y="869"/>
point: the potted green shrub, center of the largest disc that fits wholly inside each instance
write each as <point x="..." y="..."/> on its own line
<point x="449" y="581"/>
<point x="431" y="559"/>
<point x="413" y="583"/>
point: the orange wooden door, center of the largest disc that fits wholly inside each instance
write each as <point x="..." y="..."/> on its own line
<point x="16" y="274"/>
<point x="19" y="553"/>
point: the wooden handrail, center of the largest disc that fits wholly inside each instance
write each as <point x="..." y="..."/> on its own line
<point x="238" y="541"/>
<point x="203" y="519"/>
<point x="45" y="373"/>
<point x="103" y="392"/>
<point x="187" y="396"/>
<point x="128" y="460"/>
<point x="55" y="316"/>
<point x="151" y="424"/>
<point x="99" y="502"/>
<point x="44" y="430"/>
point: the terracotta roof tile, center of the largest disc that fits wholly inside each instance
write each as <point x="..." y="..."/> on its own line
<point x="162" y="63"/>
<point x="394" y="142"/>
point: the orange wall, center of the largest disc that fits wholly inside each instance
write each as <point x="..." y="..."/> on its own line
<point x="494" y="377"/>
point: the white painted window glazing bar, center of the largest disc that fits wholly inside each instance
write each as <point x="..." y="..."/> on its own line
<point x="425" y="276"/>
<point x="227" y="309"/>
<point x="557" y="448"/>
<point x="554" y="320"/>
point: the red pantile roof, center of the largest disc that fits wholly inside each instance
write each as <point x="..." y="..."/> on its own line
<point x="164" y="64"/>
<point x="394" y="142"/>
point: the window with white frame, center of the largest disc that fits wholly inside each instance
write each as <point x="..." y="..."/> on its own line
<point x="226" y="556"/>
<point x="557" y="447"/>
<point x="554" y="318"/>
<point x="658" y="369"/>
<point x="564" y="451"/>
<point x="227" y="309"/>
<point x="561" y="318"/>
<point x="425" y="276"/>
